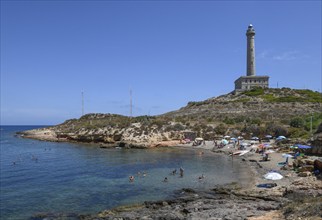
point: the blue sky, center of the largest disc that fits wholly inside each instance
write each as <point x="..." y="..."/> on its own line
<point x="167" y="52"/>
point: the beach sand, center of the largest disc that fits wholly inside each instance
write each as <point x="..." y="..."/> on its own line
<point x="257" y="168"/>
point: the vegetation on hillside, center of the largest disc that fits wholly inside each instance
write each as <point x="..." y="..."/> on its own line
<point x="205" y="120"/>
<point x="285" y="95"/>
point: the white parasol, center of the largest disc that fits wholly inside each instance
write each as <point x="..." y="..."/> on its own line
<point x="273" y="176"/>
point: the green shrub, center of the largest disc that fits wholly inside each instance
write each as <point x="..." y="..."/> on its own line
<point x="276" y="130"/>
<point x="221" y="129"/>
<point x="159" y="123"/>
<point x="298" y="133"/>
<point x="297" y="122"/>
<point x="269" y="97"/>
<point x="316" y="121"/>
<point x="229" y="121"/>
<point x="195" y="103"/>
<point x="311" y="95"/>
<point x="254" y="92"/>
<point x="319" y="129"/>
<point x="288" y="95"/>
<point x="178" y="127"/>
<point x="240" y="119"/>
<point x="290" y="99"/>
<point x="209" y="119"/>
<point x="256" y="121"/>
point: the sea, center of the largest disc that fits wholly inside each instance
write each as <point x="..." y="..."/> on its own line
<point x="49" y="177"/>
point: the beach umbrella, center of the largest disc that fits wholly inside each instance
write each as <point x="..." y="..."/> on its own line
<point x="303" y="146"/>
<point x="280" y="138"/>
<point x="233" y="139"/>
<point x="240" y="138"/>
<point x="273" y="176"/>
<point x="264" y="146"/>
<point x="287" y="155"/>
<point x="227" y="136"/>
<point x="268" y="136"/>
<point x="295" y="147"/>
<point x="255" y="138"/>
<point x="224" y="141"/>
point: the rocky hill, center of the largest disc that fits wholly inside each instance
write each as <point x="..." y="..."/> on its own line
<point x="264" y="104"/>
<point x="257" y="112"/>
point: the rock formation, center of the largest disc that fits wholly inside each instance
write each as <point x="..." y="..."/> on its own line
<point x="255" y="112"/>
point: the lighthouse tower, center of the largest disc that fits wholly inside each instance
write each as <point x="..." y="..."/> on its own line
<point x="250" y="81"/>
<point x="250" y="51"/>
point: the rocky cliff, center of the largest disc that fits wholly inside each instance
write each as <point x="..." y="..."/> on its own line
<point x="256" y="112"/>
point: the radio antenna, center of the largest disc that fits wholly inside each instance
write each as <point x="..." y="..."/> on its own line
<point x="131" y="107"/>
<point x="82" y="103"/>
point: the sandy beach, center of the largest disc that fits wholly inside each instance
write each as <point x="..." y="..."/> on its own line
<point x="292" y="197"/>
<point x="257" y="168"/>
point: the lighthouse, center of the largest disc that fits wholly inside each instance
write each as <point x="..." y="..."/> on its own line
<point x="250" y="81"/>
<point x="250" y="33"/>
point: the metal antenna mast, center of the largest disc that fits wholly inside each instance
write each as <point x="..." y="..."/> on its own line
<point x="131" y="108"/>
<point x="82" y="103"/>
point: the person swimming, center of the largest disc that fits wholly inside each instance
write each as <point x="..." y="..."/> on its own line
<point x="131" y="178"/>
<point x="181" y="171"/>
<point x="165" y="179"/>
<point x="174" y="172"/>
<point x="201" y="177"/>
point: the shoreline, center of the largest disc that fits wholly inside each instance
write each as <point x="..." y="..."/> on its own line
<point x="242" y="200"/>
<point x="232" y="201"/>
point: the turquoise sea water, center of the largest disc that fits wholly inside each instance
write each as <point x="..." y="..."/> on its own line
<point x="75" y="178"/>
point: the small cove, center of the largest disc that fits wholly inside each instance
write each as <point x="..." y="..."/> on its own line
<point x="76" y="178"/>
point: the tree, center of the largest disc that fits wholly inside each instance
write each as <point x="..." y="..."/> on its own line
<point x="276" y="130"/>
<point x="297" y="122"/>
<point x="221" y="129"/>
<point x="319" y="128"/>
